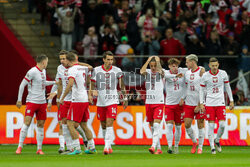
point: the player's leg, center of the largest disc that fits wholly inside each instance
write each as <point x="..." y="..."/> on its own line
<point x="150" y="119"/>
<point x="66" y="135"/>
<point x="200" y="124"/>
<point x="178" y="119"/>
<point x="91" y="144"/>
<point x="72" y="125"/>
<point x="40" y="135"/>
<point x="156" y="136"/>
<point x="210" y="112"/>
<point x="103" y="124"/>
<point x="61" y="138"/>
<point x="169" y="119"/>
<point x="221" y="116"/>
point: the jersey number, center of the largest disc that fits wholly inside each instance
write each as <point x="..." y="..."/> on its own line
<point x="192" y="88"/>
<point x="215" y="90"/>
<point x="176" y="87"/>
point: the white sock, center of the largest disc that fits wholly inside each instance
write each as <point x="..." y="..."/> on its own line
<point x="190" y="133"/>
<point x="201" y="137"/>
<point x="211" y="134"/>
<point x="170" y="135"/>
<point x="108" y="137"/>
<point x="76" y="144"/>
<point x="156" y="135"/>
<point x="91" y="144"/>
<point x="82" y="133"/>
<point x="67" y="136"/>
<point x="177" y="135"/>
<point x="103" y="133"/>
<point x="220" y="130"/>
<point x="23" y="134"/>
<point x="61" y="141"/>
<point x="39" y="137"/>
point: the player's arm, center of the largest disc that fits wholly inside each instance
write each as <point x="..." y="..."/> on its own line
<point x="184" y="95"/>
<point x="202" y="93"/>
<point x="123" y="90"/>
<point x="20" y="92"/>
<point x="230" y="95"/>
<point x="158" y="66"/>
<point x="48" y="83"/>
<point x="68" y="89"/>
<point x="92" y="90"/>
<point x="144" y="67"/>
<point x="87" y="65"/>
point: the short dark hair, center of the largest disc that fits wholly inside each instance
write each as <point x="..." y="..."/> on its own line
<point x="152" y="60"/>
<point x="107" y="53"/>
<point x="213" y="59"/>
<point x="40" y="58"/>
<point x="74" y="51"/>
<point x="63" y="52"/>
<point x="70" y="56"/>
<point x="174" y="61"/>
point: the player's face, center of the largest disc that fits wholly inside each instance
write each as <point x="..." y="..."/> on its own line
<point x="214" y="66"/>
<point x="45" y="63"/>
<point x="108" y="61"/>
<point x="189" y="63"/>
<point x="173" y="68"/>
<point x="62" y="60"/>
<point x="152" y="66"/>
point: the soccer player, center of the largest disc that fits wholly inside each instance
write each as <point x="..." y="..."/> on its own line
<point x="214" y="82"/>
<point x="105" y="78"/>
<point x="154" y="99"/>
<point x="35" y="101"/>
<point x="62" y="76"/>
<point x="175" y="87"/>
<point x="78" y="113"/>
<point x="192" y="102"/>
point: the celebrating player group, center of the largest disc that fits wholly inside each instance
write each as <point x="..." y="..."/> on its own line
<point x="190" y="93"/>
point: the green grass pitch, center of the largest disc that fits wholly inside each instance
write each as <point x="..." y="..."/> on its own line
<point x="124" y="156"/>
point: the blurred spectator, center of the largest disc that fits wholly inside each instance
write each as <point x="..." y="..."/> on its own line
<point x="236" y="10"/>
<point x="148" y="22"/>
<point x="166" y="21"/>
<point x="160" y="6"/>
<point x="240" y="99"/>
<point x="90" y="43"/>
<point x="212" y="9"/>
<point x="232" y="46"/>
<point x="194" y="46"/>
<point x="122" y="49"/>
<point x="67" y="27"/>
<point x="135" y="98"/>
<point x="110" y="21"/>
<point x="123" y="8"/>
<point x="149" y="46"/>
<point x="107" y="40"/>
<point x="213" y="46"/>
<point x="240" y="24"/>
<point x="244" y="62"/>
<point x="207" y="27"/>
<point x="171" y="46"/>
<point x="246" y="4"/>
<point x="130" y="63"/>
<point x="182" y="33"/>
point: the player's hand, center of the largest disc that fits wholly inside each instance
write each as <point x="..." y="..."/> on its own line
<point x="180" y="75"/>
<point x="19" y="104"/>
<point x="231" y="105"/>
<point x="49" y="106"/>
<point x="61" y="101"/>
<point x="58" y="105"/>
<point x="202" y="108"/>
<point x="181" y="102"/>
<point x="90" y="99"/>
<point x="51" y="95"/>
<point x="202" y="71"/>
<point x="95" y="93"/>
<point x="90" y="68"/>
<point x="197" y="109"/>
<point x="157" y="58"/>
<point x="125" y="104"/>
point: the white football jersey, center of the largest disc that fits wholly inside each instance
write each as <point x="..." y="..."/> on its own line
<point x="106" y="84"/>
<point x="36" y="86"/>
<point x="214" y="84"/>
<point x="79" y="89"/>
<point x="192" y="80"/>
<point x="62" y="74"/>
<point x="174" y="86"/>
<point x="154" y="88"/>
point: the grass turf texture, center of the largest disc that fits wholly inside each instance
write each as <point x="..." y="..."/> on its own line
<point x="124" y="156"/>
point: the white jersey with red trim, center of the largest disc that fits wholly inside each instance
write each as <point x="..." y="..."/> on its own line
<point x="36" y="86"/>
<point x="79" y="89"/>
<point x="192" y="80"/>
<point x="62" y="74"/>
<point x="106" y="84"/>
<point x="174" y="86"/>
<point x="154" y="88"/>
<point x="214" y="84"/>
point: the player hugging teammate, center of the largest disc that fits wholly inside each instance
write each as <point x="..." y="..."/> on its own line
<point x="191" y="93"/>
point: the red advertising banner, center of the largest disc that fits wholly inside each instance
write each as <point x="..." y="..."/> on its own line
<point x="130" y="127"/>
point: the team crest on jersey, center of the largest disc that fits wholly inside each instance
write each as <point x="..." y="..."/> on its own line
<point x="215" y="79"/>
<point x="175" y="79"/>
<point x="192" y="77"/>
<point x="66" y="73"/>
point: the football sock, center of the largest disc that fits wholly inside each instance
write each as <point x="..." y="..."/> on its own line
<point x="81" y="132"/>
<point x="170" y="134"/>
<point x="156" y="134"/>
<point x="220" y="130"/>
<point x="76" y="144"/>
<point x="61" y="141"/>
<point x="91" y="144"/>
<point x="191" y="134"/>
<point x="67" y="136"/>
<point x="201" y="137"/>
<point x="211" y="134"/>
<point x="108" y="137"/>
<point x="23" y="134"/>
<point x="39" y="137"/>
<point x="103" y="133"/>
<point x="177" y="135"/>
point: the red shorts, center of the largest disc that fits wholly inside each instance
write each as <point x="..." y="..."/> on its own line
<point x="154" y="111"/>
<point x="214" y="112"/>
<point x="79" y="112"/>
<point x="39" y="109"/>
<point x="107" y="112"/>
<point x="64" y="109"/>
<point x="189" y="113"/>
<point x="174" y="113"/>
